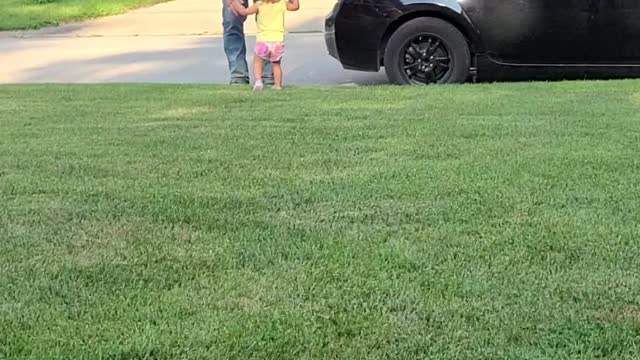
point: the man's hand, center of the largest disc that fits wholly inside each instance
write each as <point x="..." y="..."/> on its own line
<point x="293" y="5"/>
<point x="239" y="8"/>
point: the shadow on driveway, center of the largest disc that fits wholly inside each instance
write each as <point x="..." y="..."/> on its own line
<point x="164" y="59"/>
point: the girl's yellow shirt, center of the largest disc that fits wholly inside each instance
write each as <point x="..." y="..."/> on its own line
<point x="270" y="20"/>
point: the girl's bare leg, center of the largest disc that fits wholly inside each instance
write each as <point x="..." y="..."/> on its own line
<point x="257" y="72"/>
<point x="277" y="74"/>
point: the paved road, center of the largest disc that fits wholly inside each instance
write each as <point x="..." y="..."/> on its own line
<point x="183" y="17"/>
<point x="174" y="42"/>
<point x="161" y="59"/>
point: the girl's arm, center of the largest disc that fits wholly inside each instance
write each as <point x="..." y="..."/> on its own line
<point x="293" y="5"/>
<point x="239" y="8"/>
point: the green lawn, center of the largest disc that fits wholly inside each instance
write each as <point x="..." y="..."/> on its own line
<point x="203" y="222"/>
<point x="33" y="14"/>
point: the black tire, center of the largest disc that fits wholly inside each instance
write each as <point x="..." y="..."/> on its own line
<point x="421" y="34"/>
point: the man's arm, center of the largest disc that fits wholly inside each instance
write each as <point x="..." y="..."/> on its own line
<point x="293" y="5"/>
<point x="239" y="8"/>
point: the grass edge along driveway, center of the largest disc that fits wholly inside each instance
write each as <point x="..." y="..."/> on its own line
<point x="34" y="14"/>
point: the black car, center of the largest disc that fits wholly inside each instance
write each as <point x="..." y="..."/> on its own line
<point x="449" y="41"/>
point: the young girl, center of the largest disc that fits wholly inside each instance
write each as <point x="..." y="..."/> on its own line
<point x="270" y="40"/>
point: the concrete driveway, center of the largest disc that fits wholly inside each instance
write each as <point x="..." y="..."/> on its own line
<point x="174" y="42"/>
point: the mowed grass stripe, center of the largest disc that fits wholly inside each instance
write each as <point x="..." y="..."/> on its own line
<point x="495" y="221"/>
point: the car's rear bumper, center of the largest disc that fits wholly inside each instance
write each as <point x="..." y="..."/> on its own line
<point x="346" y="38"/>
<point x="330" y="32"/>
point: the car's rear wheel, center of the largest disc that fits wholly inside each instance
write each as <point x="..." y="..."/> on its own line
<point x="427" y="51"/>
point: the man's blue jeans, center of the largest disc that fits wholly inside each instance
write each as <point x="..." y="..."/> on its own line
<point x="236" y="49"/>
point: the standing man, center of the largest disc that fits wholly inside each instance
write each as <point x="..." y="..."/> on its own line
<point x="235" y="47"/>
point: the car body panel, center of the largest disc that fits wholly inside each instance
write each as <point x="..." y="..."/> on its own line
<point x="351" y="19"/>
<point x="558" y="31"/>
<point x="581" y="34"/>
